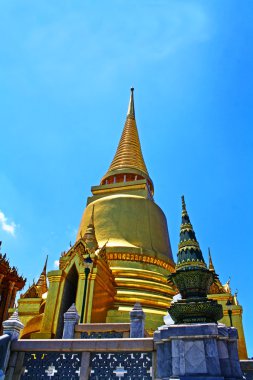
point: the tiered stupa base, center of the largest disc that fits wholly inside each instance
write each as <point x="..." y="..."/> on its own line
<point x="201" y="310"/>
<point x="139" y="278"/>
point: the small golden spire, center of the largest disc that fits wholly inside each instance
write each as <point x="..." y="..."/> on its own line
<point x="41" y="284"/>
<point x="45" y="266"/>
<point x="91" y="223"/>
<point x="90" y="235"/>
<point x="211" y="266"/>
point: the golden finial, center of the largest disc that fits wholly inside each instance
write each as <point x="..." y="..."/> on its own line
<point x="131" y="111"/>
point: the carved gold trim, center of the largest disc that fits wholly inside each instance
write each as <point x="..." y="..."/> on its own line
<point x="54" y="278"/>
<point x="111" y="190"/>
<point x="82" y="276"/>
<point x="234" y="312"/>
<point x="140" y="258"/>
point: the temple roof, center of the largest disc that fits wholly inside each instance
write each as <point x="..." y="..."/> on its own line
<point x="128" y="158"/>
<point x="10" y="274"/>
<point x="189" y="253"/>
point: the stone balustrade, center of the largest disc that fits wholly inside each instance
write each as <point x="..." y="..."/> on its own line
<point x="105" y="351"/>
<point x="82" y="359"/>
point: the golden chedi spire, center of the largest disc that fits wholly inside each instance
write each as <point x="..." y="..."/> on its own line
<point x="41" y="284"/>
<point x="128" y="163"/>
<point x="90" y="236"/>
<point x="211" y="266"/>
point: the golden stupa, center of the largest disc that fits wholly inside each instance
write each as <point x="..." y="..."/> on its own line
<point x="133" y="229"/>
<point x="121" y="256"/>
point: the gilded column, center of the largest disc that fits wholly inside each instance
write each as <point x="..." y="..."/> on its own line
<point x="89" y="296"/>
<point x="56" y="284"/>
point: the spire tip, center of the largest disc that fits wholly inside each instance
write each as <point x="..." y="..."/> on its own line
<point x="183" y="203"/>
<point x="92" y="217"/>
<point x="131" y="111"/>
<point x="45" y="266"/>
<point x="211" y="266"/>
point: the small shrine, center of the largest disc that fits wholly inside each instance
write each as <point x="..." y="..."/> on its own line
<point x="10" y="283"/>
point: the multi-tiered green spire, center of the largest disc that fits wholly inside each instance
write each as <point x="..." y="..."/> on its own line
<point x="189" y="253"/>
<point x="193" y="280"/>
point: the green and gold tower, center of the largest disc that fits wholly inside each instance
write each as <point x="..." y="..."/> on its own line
<point x="193" y="280"/>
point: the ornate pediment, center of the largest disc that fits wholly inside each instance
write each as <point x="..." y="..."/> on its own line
<point x="32" y="292"/>
<point x="216" y="288"/>
<point x="79" y="250"/>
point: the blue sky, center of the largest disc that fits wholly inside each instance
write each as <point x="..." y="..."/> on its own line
<point x="65" y="72"/>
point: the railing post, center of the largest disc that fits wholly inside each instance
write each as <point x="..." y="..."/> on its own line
<point x="233" y="352"/>
<point x="4" y="353"/>
<point x="137" y="321"/>
<point x="11" y="329"/>
<point x="71" y="318"/>
<point x="13" y="326"/>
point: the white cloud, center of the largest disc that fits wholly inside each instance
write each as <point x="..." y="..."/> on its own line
<point x="56" y="264"/>
<point x="7" y="227"/>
